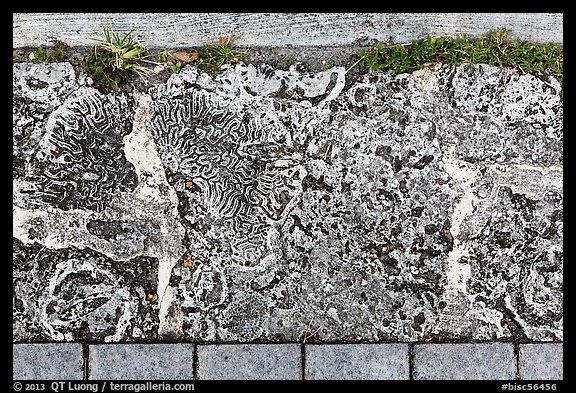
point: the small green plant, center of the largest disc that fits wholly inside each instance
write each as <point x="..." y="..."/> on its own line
<point x="114" y="58"/>
<point x="493" y="48"/>
<point x="176" y="67"/>
<point x="165" y="57"/>
<point x="328" y="63"/>
<point x="55" y="54"/>
<point x="212" y="56"/>
<point x="41" y="56"/>
<point x="291" y="59"/>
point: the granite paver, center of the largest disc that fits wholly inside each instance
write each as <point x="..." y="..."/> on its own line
<point x="357" y="361"/>
<point x="249" y="361"/>
<point x="464" y="361"/>
<point x="541" y="361"/>
<point x="141" y="361"/>
<point x="443" y="361"/>
<point x="47" y="361"/>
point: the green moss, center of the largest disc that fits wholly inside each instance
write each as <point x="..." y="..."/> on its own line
<point x="328" y="63"/>
<point x="56" y="53"/>
<point x="100" y="65"/>
<point x="59" y="51"/>
<point x="493" y="48"/>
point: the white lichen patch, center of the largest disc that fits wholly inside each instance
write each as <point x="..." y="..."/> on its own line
<point x="85" y="307"/>
<point x="530" y="180"/>
<point x="265" y="81"/>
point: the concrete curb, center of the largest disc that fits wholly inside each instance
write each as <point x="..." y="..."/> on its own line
<point x="172" y="30"/>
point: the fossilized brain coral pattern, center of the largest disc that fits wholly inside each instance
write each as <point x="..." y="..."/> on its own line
<point x="81" y="162"/>
<point x="226" y="153"/>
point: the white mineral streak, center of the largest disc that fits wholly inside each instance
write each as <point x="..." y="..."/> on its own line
<point x="464" y="175"/>
<point x="453" y="318"/>
<point x="71" y="223"/>
<point x="141" y="151"/>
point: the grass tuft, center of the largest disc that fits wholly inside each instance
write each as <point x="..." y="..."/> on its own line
<point x="493" y="48"/>
<point x="114" y="58"/>
<point x="212" y="56"/>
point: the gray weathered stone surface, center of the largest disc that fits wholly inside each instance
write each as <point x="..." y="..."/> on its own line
<point x="47" y="361"/>
<point x="267" y="204"/>
<point x="174" y="30"/>
<point x="541" y="361"/>
<point x="141" y="361"/>
<point x="357" y="361"/>
<point x="464" y="361"/>
<point x="249" y="361"/>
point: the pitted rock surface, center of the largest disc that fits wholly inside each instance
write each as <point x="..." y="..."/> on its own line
<point x="278" y="205"/>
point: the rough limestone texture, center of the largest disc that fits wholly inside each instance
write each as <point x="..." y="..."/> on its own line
<point x="274" y="205"/>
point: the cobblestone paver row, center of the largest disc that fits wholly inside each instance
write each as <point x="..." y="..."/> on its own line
<point x="188" y="361"/>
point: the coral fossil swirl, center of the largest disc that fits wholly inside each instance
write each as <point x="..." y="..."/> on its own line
<point x="226" y="154"/>
<point x="80" y="162"/>
<point x="81" y="292"/>
<point x="206" y="289"/>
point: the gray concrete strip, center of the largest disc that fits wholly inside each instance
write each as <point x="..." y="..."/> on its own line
<point x="493" y="361"/>
<point x="47" y="361"/>
<point x="171" y="30"/>
<point x="249" y="361"/>
<point x="357" y="361"/>
<point x="541" y="361"/>
<point x="141" y="361"/>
